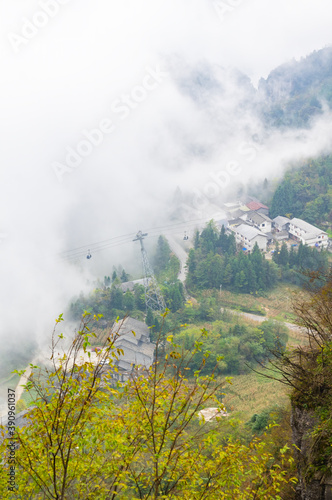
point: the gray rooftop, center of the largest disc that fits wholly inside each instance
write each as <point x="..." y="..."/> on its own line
<point x="310" y="230"/>
<point x="233" y="204"/>
<point x="124" y="365"/>
<point x="238" y="213"/>
<point x="249" y="231"/>
<point x="280" y="220"/>
<point x="146" y="348"/>
<point x="235" y="222"/>
<point x="134" y="340"/>
<point x="257" y="218"/>
<point x="127" y="326"/>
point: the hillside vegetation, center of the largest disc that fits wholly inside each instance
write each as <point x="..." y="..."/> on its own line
<point x="90" y="437"/>
<point x="296" y="92"/>
<point x="305" y="192"/>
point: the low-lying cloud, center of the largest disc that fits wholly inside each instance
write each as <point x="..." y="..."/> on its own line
<point x="97" y="138"/>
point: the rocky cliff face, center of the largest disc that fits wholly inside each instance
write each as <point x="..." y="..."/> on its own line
<point x="317" y="487"/>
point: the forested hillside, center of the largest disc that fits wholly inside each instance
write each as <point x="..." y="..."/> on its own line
<point x="295" y="92"/>
<point x="306" y="192"/>
<point x="216" y="261"/>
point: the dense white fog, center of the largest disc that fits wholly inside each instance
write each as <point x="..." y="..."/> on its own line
<point x="108" y="107"/>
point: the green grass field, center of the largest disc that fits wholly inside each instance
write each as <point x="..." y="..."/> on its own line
<point x="252" y="393"/>
<point x="276" y="304"/>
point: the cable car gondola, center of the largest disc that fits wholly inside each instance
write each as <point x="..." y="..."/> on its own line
<point x="89" y="255"/>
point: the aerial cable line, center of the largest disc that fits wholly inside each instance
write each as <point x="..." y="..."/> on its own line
<point x="95" y="248"/>
<point x="75" y="255"/>
<point x="129" y="235"/>
<point x="123" y="239"/>
<point x="97" y="243"/>
<point x="110" y="245"/>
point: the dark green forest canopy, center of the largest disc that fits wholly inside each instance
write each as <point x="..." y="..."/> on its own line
<point x="216" y="261"/>
<point x="305" y="192"/>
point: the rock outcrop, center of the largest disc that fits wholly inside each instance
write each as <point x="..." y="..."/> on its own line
<point x="311" y="486"/>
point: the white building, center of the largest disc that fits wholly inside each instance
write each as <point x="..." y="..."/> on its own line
<point x="281" y="223"/>
<point x="260" y="220"/>
<point x="309" y="235"/>
<point x="247" y="236"/>
<point x="134" y="342"/>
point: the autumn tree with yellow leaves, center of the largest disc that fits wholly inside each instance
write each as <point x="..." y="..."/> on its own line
<point x="90" y="437"/>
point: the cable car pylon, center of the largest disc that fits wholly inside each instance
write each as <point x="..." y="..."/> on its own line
<point x="153" y="296"/>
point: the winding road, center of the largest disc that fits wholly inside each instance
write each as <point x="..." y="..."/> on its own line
<point x="181" y="255"/>
<point x="260" y="319"/>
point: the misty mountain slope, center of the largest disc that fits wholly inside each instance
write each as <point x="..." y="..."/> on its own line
<point x="291" y="96"/>
<point x="206" y="83"/>
<point x="295" y="92"/>
<point x="224" y="96"/>
<point x="306" y="192"/>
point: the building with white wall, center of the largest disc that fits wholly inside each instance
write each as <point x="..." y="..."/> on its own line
<point x="259" y="220"/>
<point x="247" y="236"/>
<point x="308" y="234"/>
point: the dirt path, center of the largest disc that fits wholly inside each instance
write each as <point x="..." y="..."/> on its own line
<point x="181" y="255"/>
<point x="260" y="319"/>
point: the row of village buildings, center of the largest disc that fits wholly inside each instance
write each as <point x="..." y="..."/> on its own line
<point x="251" y="224"/>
